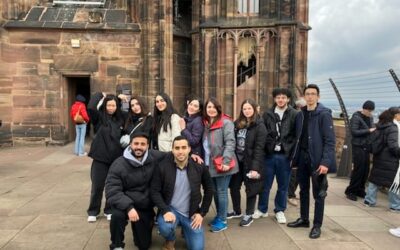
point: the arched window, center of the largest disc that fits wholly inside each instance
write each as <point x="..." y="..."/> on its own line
<point x="248" y="7"/>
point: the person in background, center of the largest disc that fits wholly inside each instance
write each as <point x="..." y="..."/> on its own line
<point x="385" y="164"/>
<point x="139" y="118"/>
<point x="251" y="135"/>
<point x="80" y="128"/>
<point x="361" y="126"/>
<point x="128" y="192"/>
<point x="280" y="141"/>
<point x="108" y="122"/>
<point x="176" y="192"/>
<point x="219" y="142"/>
<point x="192" y="125"/>
<point x="166" y="123"/>
<point x="314" y="156"/>
<point x="292" y="199"/>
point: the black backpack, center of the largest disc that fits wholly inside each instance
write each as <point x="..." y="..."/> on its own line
<point x="377" y="141"/>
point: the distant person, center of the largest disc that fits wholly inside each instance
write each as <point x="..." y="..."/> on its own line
<point x="293" y="183"/>
<point x="176" y="192"/>
<point x="314" y="157"/>
<point x="385" y="163"/>
<point x="79" y="109"/>
<point x="166" y="123"/>
<point x="128" y="192"/>
<point x="361" y="126"/>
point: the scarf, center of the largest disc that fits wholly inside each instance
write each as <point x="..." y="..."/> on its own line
<point x="395" y="188"/>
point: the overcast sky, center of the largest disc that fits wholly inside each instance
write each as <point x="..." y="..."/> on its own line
<point x="355" y="37"/>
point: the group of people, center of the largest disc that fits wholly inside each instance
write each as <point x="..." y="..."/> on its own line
<point x="169" y="160"/>
<point x="383" y="142"/>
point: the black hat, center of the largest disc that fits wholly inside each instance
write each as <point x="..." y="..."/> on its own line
<point x="140" y="134"/>
<point x="369" y="105"/>
<point x="80" y="98"/>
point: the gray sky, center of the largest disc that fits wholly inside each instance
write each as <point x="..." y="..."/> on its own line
<point x="355" y="37"/>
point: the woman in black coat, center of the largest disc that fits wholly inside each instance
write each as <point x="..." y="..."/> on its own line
<point x="251" y="135"/>
<point x="139" y="118"/>
<point x="386" y="162"/>
<point x="108" y="121"/>
<point x="192" y="125"/>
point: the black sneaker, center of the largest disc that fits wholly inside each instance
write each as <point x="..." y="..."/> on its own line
<point x="246" y="221"/>
<point x="351" y="197"/>
<point x="367" y="204"/>
<point x="233" y="215"/>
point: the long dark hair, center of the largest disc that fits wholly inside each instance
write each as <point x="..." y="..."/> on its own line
<point x="191" y="99"/>
<point x="242" y="121"/>
<point x="116" y="116"/>
<point x="144" y="111"/>
<point x="388" y="115"/>
<point x="162" y="119"/>
<point x="218" y="107"/>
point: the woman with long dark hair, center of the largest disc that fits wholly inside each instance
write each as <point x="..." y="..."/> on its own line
<point x="108" y="122"/>
<point x="250" y="135"/>
<point x="139" y="118"/>
<point x="385" y="163"/>
<point x="166" y="123"/>
<point x="219" y="155"/>
<point x="192" y="125"/>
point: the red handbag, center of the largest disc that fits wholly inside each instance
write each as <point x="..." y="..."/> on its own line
<point x="219" y="161"/>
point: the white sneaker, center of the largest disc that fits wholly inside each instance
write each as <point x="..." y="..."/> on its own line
<point x="91" y="218"/>
<point x="258" y="214"/>
<point x="280" y="217"/>
<point x="108" y="216"/>
<point x="395" y="232"/>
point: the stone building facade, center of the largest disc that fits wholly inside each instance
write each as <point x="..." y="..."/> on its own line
<point x="50" y="50"/>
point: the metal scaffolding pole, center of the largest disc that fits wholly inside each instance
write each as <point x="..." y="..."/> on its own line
<point x="345" y="165"/>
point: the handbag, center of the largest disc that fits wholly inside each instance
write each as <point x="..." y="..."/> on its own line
<point x="126" y="139"/>
<point x="219" y="161"/>
<point x="78" y="119"/>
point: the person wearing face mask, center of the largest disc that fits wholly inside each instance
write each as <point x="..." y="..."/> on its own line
<point x="251" y="135"/>
<point x="192" y="126"/>
<point x="166" y="123"/>
<point x="107" y="119"/>
<point x="138" y="119"/>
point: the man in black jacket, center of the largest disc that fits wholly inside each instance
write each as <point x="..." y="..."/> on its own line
<point x="175" y="190"/>
<point x="361" y="125"/>
<point x="281" y="138"/>
<point x="128" y="192"/>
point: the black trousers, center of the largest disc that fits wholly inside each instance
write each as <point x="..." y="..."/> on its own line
<point x="98" y="175"/>
<point x="293" y="184"/>
<point x="141" y="229"/>
<point x="235" y="185"/>
<point x="305" y="172"/>
<point x="360" y="172"/>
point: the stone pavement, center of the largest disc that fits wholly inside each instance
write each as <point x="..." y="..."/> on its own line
<point x="44" y="193"/>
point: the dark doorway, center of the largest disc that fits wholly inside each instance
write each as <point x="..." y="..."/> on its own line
<point x="77" y="85"/>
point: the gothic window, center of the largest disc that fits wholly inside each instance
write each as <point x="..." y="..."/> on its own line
<point x="248" y="7"/>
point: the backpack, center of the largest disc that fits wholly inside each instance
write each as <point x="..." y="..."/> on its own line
<point x="377" y="141"/>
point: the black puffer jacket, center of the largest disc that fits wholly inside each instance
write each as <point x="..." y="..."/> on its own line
<point x="288" y="130"/>
<point x="254" y="155"/>
<point x="360" y="129"/>
<point x="128" y="182"/>
<point x="105" y="146"/>
<point x="163" y="183"/>
<point x="386" y="162"/>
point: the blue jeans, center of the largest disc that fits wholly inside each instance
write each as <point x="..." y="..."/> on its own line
<point x="80" y="139"/>
<point x="221" y="185"/>
<point x="194" y="237"/>
<point x="275" y="165"/>
<point x="394" y="199"/>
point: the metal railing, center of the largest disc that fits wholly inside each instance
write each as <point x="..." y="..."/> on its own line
<point x="241" y="78"/>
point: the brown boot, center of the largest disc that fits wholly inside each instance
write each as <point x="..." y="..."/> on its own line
<point x="169" y="245"/>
